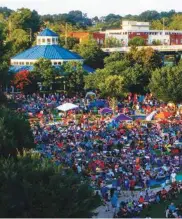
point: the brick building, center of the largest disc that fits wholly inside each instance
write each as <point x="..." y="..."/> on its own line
<point x="82" y="36"/>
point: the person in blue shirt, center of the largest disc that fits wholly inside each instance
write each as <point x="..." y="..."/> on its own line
<point x="172" y="207"/>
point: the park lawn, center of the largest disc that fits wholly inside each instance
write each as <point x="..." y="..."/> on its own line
<point x="158" y="210"/>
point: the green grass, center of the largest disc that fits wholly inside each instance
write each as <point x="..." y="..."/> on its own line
<point x="158" y="210"/>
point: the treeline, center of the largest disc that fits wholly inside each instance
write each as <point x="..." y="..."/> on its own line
<point x="80" y="20"/>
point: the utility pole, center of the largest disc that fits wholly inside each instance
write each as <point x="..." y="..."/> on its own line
<point x="66" y="35"/>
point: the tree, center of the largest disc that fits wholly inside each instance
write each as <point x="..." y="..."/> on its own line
<point x="135" y="67"/>
<point x="113" y="86"/>
<point x="19" y="40"/>
<point x="74" y="78"/>
<point x="44" y="72"/>
<point x="112" y="42"/>
<point x="5" y="11"/>
<point x="3" y="60"/>
<point x="137" y="79"/>
<point x="15" y="133"/>
<point x="71" y="42"/>
<point x="148" y="58"/>
<point x="166" y="83"/>
<point x="25" y="81"/>
<point x="149" y="15"/>
<point x="3" y="74"/>
<point x="156" y="42"/>
<point x="157" y="25"/>
<point x="136" y="41"/>
<point x="24" y="18"/>
<point x="176" y="22"/>
<point x="35" y="187"/>
<point x="91" y="52"/>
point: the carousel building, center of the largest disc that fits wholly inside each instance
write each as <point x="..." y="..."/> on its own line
<point x="46" y="47"/>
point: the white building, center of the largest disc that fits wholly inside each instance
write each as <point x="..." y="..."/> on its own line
<point x="131" y="29"/>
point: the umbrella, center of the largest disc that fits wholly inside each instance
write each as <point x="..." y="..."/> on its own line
<point x="67" y="106"/>
<point x="122" y="117"/>
<point x="105" y="111"/>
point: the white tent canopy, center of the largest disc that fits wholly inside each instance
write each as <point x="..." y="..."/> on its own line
<point x="67" y="106"/>
<point x="151" y="116"/>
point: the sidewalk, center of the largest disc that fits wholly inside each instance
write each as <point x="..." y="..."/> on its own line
<point x="126" y="196"/>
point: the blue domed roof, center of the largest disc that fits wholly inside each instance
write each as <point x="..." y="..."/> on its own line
<point x="48" y="32"/>
<point x="47" y="52"/>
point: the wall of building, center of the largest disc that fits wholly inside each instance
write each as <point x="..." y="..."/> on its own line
<point x="83" y="36"/>
<point x="176" y="39"/>
<point x="143" y="35"/>
<point x="164" y="39"/>
<point x="135" y="25"/>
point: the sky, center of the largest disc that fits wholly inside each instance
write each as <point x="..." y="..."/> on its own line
<point x="94" y="7"/>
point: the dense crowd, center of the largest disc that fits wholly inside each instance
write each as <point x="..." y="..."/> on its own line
<point x="116" y="156"/>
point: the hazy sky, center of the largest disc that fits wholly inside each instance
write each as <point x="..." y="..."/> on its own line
<point x="94" y="7"/>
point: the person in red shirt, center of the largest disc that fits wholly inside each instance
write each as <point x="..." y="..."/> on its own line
<point x="141" y="200"/>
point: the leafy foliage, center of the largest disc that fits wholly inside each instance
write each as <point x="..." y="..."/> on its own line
<point x="135" y="67"/>
<point x="113" y="86"/>
<point x="22" y="79"/>
<point x="15" y="133"/>
<point x="74" y="76"/>
<point x="44" y="72"/>
<point x="71" y="42"/>
<point x="19" y="40"/>
<point x="166" y="83"/>
<point x="112" y="42"/>
<point x="24" y="18"/>
<point x="91" y="52"/>
<point x="136" y="41"/>
<point x="34" y="187"/>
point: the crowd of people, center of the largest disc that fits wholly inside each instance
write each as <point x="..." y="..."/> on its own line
<point x="116" y="156"/>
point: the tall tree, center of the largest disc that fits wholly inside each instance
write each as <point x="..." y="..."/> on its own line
<point x="24" y="18"/>
<point x="3" y="59"/>
<point x="91" y="52"/>
<point x="176" y="22"/>
<point x="166" y="83"/>
<point x="44" y="72"/>
<point x="15" y="133"/>
<point x="35" y="187"/>
<point x="19" y="41"/>
<point x="74" y="76"/>
<point x="113" y="86"/>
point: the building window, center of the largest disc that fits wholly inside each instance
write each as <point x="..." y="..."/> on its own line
<point x="39" y="41"/>
<point x="53" y="40"/>
<point x="55" y="63"/>
<point x="49" y="41"/>
<point x="27" y="63"/>
<point x="59" y="63"/>
<point x="43" y="40"/>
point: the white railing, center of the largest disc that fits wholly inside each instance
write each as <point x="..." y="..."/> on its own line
<point x="157" y="48"/>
